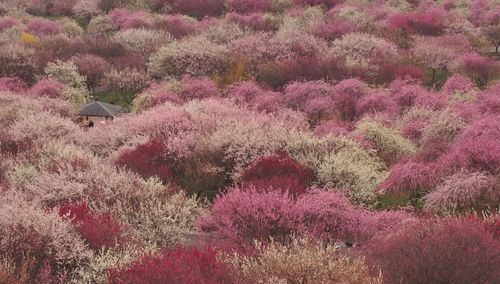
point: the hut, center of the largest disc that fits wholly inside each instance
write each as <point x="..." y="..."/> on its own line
<point x="98" y="112"/>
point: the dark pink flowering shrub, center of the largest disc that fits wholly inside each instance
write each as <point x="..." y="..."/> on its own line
<point x="326" y="3"/>
<point x="476" y="149"/>
<point x="477" y="67"/>
<point x="330" y="216"/>
<point x="377" y="102"/>
<point x="408" y="179"/>
<point x="61" y="7"/>
<point x="312" y="97"/>
<point x="197" y="88"/>
<point x="407" y="95"/>
<point x="318" y="108"/>
<point x="243" y="215"/>
<point x="47" y="88"/>
<point x="176" y="265"/>
<point x="487" y="103"/>
<point x="194" y="8"/>
<point x="251" y="94"/>
<point x="413" y="129"/>
<point x="148" y="160"/>
<point x="99" y="230"/>
<point x="103" y="46"/>
<point x="333" y="30"/>
<point x="278" y="172"/>
<point x="278" y="73"/>
<point x="457" y="84"/>
<point x="12" y="84"/>
<point x="346" y="95"/>
<point x="43" y="27"/>
<point x="438" y="251"/>
<point x="427" y="23"/>
<point x="245" y="6"/>
<point x="177" y="26"/>
<point x="93" y="67"/>
<point x="8" y="22"/>
<point x="297" y="94"/>
<point x="129" y="60"/>
<point x="391" y="71"/>
<point x="123" y="19"/>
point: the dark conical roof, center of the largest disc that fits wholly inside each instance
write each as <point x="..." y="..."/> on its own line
<point x="102" y="109"/>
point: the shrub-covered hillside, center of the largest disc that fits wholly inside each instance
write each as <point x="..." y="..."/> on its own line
<point x="265" y="141"/>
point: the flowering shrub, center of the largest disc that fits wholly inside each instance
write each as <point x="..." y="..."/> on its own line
<point x="141" y="41"/>
<point x="197" y="57"/>
<point x="377" y="102"/>
<point x="429" y="23"/>
<point x="42" y="27"/>
<point x="127" y="82"/>
<point x="8" y="22"/>
<point x="292" y="263"/>
<point x="297" y="94"/>
<point x="170" y="267"/>
<point x="123" y="19"/>
<point x="296" y="124"/>
<point x="193" y="88"/>
<point x="66" y="73"/>
<point x="334" y="30"/>
<point x="33" y="237"/>
<point x="196" y="8"/>
<point x="363" y="50"/>
<point x="147" y="160"/>
<point x="408" y="179"/>
<point x="463" y="191"/>
<point x="178" y="26"/>
<point x="255" y="21"/>
<point x="330" y="216"/>
<point x="93" y="67"/>
<point x="475" y="149"/>
<point x="99" y="230"/>
<point x="243" y="6"/>
<point x="326" y="3"/>
<point x="278" y="171"/>
<point x="47" y="88"/>
<point x="390" y="145"/>
<point x="86" y="9"/>
<point x="457" y="84"/>
<point x="477" y="67"/>
<point x="251" y="94"/>
<point x="18" y="61"/>
<point x="242" y="215"/>
<point x="11" y="84"/>
<point x="346" y="95"/>
<point x="453" y="250"/>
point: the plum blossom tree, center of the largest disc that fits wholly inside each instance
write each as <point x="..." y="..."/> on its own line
<point x="93" y="67"/>
<point x="477" y="67"/>
<point x="86" y="9"/>
<point x="196" y="8"/>
<point x="127" y="82"/>
<point x="42" y="27"/>
<point x="449" y="250"/>
<point x="439" y="52"/>
<point x="346" y="95"/>
<point x="8" y="22"/>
